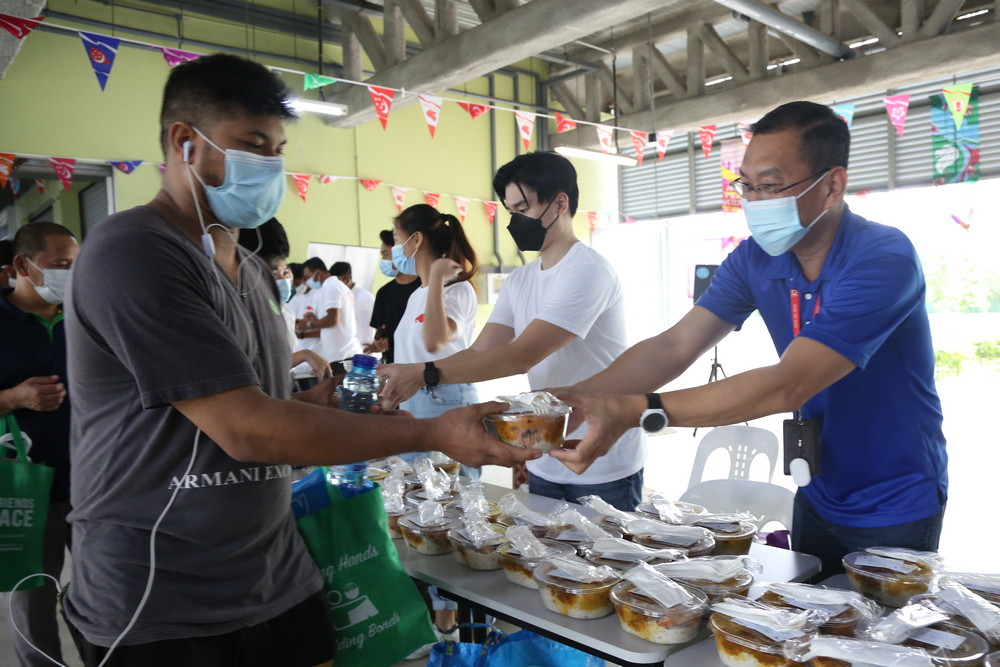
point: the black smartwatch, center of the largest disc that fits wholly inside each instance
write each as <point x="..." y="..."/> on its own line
<point x="431" y="374"/>
<point x="654" y="419"/>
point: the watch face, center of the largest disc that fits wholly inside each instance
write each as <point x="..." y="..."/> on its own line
<point x="653" y="422"/>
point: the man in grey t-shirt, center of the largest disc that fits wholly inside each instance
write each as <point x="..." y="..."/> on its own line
<point x="182" y="429"/>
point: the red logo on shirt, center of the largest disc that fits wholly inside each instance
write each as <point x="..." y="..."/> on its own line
<point x="419" y="319"/>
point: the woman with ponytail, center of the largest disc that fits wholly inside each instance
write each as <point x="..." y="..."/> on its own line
<point x="440" y="315"/>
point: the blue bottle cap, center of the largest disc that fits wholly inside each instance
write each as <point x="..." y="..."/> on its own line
<point x="365" y="361"/>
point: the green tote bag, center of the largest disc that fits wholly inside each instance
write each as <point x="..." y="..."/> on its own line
<point x="24" y="506"/>
<point x="378" y="615"/>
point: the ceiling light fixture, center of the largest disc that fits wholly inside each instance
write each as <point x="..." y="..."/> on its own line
<point x="597" y="156"/>
<point x="327" y="108"/>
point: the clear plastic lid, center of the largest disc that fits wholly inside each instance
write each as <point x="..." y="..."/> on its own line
<point x="544" y="549"/>
<point x="882" y="567"/>
<point x="535" y="403"/>
<point x="949" y="645"/>
<point x="626" y="593"/>
<point x="581" y="577"/>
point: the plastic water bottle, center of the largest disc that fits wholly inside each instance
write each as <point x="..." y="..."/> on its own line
<point x="357" y="394"/>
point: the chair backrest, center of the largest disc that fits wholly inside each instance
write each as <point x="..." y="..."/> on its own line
<point x="744" y="443"/>
<point x="768" y="502"/>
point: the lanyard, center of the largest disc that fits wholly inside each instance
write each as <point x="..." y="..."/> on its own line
<point x="793" y="298"/>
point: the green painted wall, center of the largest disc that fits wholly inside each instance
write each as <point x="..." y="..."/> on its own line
<point x="52" y="105"/>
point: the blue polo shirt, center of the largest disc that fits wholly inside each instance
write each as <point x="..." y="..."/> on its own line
<point x="31" y="346"/>
<point x="883" y="459"/>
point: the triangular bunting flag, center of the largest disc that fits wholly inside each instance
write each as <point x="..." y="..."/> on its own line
<point x="845" y="111"/>
<point x="398" y="195"/>
<point x="432" y="198"/>
<point x="526" y="126"/>
<point x="639" y="140"/>
<point x="175" y="57"/>
<point x="64" y="167"/>
<point x="40" y="184"/>
<point x="463" y="207"/>
<point x="707" y="135"/>
<point x="592" y="220"/>
<point x="604" y="134"/>
<point x="743" y="129"/>
<point x="897" y="106"/>
<point x="957" y="99"/>
<point x="6" y="167"/>
<point x="563" y="123"/>
<point x="301" y="185"/>
<point x="432" y="111"/>
<point x="629" y="221"/>
<point x="126" y="167"/>
<point x="102" y="51"/>
<point x="491" y="210"/>
<point x="162" y="167"/>
<point x="17" y="26"/>
<point x="327" y="180"/>
<point x="382" y="99"/>
<point x="369" y="184"/>
<point x="662" y="139"/>
<point x="311" y="81"/>
<point x="474" y="110"/>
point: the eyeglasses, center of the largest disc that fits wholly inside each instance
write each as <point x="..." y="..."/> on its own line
<point x="744" y="190"/>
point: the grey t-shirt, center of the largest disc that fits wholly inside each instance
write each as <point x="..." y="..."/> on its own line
<point x="151" y="320"/>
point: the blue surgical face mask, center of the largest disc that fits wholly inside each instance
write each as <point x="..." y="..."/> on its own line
<point x="774" y="223"/>
<point x="314" y="283"/>
<point x="252" y="191"/>
<point x="284" y="289"/>
<point x="53" y="287"/>
<point x="387" y="268"/>
<point x="407" y="265"/>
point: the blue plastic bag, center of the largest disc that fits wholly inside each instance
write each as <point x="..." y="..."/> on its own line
<point x="521" y="649"/>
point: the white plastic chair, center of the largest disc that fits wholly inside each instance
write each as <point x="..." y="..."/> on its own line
<point x="766" y="501"/>
<point x="744" y="444"/>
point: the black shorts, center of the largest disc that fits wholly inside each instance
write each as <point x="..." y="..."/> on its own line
<point x="300" y="637"/>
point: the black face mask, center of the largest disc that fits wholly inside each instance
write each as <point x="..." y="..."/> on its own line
<point x="528" y="233"/>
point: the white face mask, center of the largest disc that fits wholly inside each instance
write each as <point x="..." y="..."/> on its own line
<point x="774" y="223"/>
<point x="53" y="286"/>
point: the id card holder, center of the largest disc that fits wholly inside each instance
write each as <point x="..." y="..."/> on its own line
<point x="801" y="448"/>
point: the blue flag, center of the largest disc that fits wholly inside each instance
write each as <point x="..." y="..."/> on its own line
<point x="128" y="166"/>
<point x="101" y="50"/>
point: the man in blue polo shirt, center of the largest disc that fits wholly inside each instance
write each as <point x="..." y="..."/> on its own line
<point x="32" y="387"/>
<point x="843" y="301"/>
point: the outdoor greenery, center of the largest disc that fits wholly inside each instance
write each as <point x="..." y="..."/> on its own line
<point x="950" y="362"/>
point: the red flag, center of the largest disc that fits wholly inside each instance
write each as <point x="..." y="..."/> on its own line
<point x="398" y="195"/>
<point x="491" y="210"/>
<point x="639" y="140"/>
<point x="897" y="107"/>
<point x="40" y="184"/>
<point x="431" y="106"/>
<point x="662" y="139"/>
<point x="743" y="129"/>
<point x="6" y="167"/>
<point x="526" y="126"/>
<point x="474" y="110"/>
<point x="17" y="26"/>
<point x="707" y="135"/>
<point x="302" y="185"/>
<point x="463" y="207"/>
<point x="592" y="220"/>
<point x="162" y="167"/>
<point x="604" y="133"/>
<point x="432" y="198"/>
<point x="327" y="180"/>
<point x="175" y="57"/>
<point x="64" y="167"/>
<point x="382" y="99"/>
<point x="369" y="184"/>
<point x="564" y="123"/>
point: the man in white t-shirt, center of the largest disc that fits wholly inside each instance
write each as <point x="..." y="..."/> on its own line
<point x="557" y="319"/>
<point x="334" y="318"/>
<point x="364" y="302"/>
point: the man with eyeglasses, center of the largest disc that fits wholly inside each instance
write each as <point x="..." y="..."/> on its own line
<point x="843" y="301"/>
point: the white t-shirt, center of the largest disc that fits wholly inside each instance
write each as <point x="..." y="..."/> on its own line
<point x="459" y="305"/>
<point x="339" y="341"/>
<point x="582" y="295"/>
<point x="364" y="303"/>
<point x="301" y="304"/>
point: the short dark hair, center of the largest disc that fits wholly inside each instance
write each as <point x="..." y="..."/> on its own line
<point x="6" y="252"/>
<point x="211" y="88"/>
<point x="826" y="139"/>
<point x="386" y="237"/>
<point x="296" y="269"/>
<point x="546" y="173"/>
<point x="340" y="269"/>
<point x="314" y="264"/>
<point x="271" y="240"/>
<point x="30" y="239"/>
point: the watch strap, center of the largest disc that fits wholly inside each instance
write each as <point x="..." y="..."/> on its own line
<point x="431" y="374"/>
<point x="654" y="402"/>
